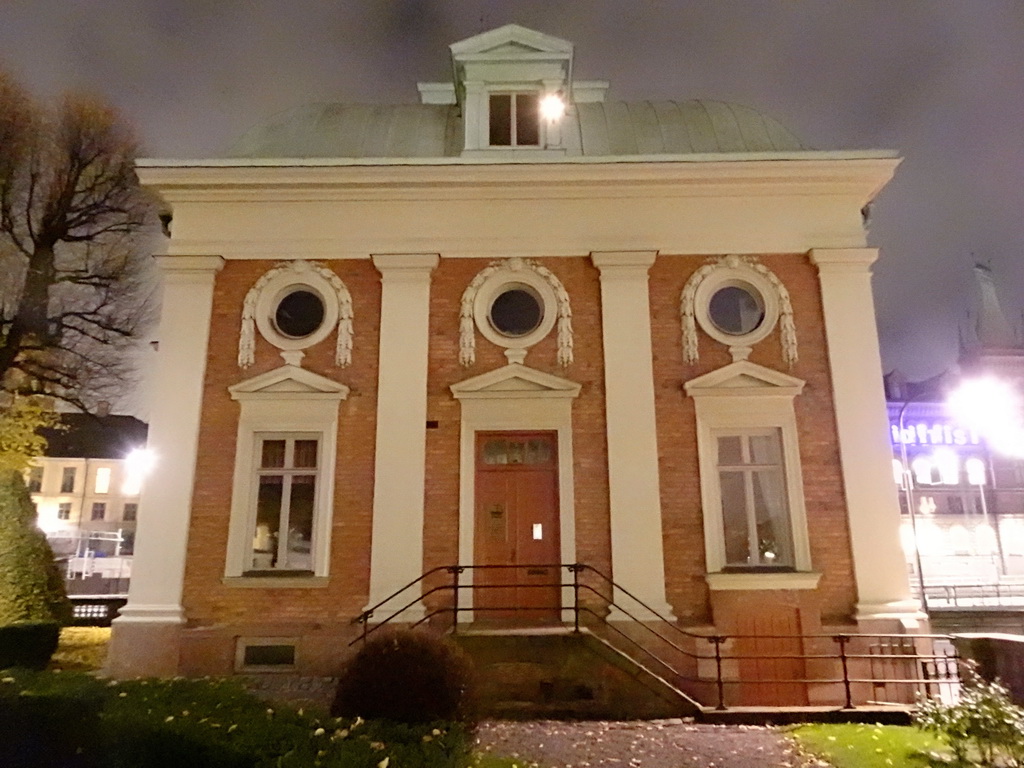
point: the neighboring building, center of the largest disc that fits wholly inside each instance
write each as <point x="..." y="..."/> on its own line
<point x="86" y="491"/>
<point x="967" y="495"/>
<point x="396" y="338"/>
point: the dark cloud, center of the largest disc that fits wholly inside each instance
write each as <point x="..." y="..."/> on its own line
<point x="937" y="80"/>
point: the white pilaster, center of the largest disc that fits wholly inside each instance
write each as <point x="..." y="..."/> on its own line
<point x="883" y="588"/>
<point x="164" y="508"/>
<point x="638" y="563"/>
<point x="396" y="555"/>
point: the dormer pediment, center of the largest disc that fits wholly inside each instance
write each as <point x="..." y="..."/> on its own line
<point x="515" y="381"/>
<point x="744" y="379"/>
<point x="288" y="382"/>
<point x="510" y="40"/>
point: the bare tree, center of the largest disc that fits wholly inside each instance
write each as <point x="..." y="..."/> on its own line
<point x="73" y="220"/>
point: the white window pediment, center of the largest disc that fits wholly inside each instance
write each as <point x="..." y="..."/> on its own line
<point x="288" y="380"/>
<point x="744" y="378"/>
<point x="515" y="380"/>
<point x="511" y="39"/>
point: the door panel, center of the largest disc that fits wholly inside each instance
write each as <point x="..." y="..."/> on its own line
<point x="517" y="525"/>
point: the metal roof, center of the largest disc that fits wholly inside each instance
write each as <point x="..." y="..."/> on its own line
<point x="605" y="129"/>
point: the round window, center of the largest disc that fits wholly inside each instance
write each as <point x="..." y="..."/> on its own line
<point x="299" y="314"/>
<point x="736" y="310"/>
<point x="516" y="312"/>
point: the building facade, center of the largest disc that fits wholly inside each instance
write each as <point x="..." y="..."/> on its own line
<point x="516" y="325"/>
<point x="86" y="491"/>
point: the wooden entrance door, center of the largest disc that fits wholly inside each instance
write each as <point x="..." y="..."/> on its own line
<point x="517" y="525"/>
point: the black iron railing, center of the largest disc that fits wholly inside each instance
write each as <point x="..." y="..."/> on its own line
<point x="724" y="668"/>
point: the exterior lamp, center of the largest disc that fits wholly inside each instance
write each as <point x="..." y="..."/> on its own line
<point x="138" y="463"/>
<point x="993" y="408"/>
<point x="552" y="108"/>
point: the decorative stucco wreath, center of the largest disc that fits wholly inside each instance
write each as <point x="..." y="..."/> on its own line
<point x="467" y="335"/>
<point x="247" y="338"/>
<point x="687" y="304"/>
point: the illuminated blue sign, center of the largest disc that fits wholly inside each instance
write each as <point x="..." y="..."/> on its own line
<point x="935" y="433"/>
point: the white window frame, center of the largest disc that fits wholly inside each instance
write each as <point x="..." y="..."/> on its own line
<point x="748" y="469"/>
<point x="513" y="93"/>
<point x="287" y="401"/>
<point x="741" y="398"/>
<point x="287" y="472"/>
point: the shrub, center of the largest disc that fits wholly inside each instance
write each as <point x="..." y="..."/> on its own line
<point x="31" y="587"/>
<point x="407" y="676"/>
<point x="28" y="644"/>
<point x="983" y="728"/>
<point x="74" y="720"/>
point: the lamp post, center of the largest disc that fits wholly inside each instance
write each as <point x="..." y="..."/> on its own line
<point x="908" y="489"/>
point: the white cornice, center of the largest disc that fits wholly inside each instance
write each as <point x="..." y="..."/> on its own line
<point x="859" y="178"/>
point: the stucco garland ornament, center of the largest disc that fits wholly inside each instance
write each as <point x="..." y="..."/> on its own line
<point x="687" y="305"/>
<point x="467" y="323"/>
<point x="247" y="338"/>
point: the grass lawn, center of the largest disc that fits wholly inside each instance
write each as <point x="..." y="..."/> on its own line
<point x="857" y="745"/>
<point x="81" y="649"/>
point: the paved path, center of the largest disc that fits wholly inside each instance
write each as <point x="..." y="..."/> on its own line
<point x="641" y="744"/>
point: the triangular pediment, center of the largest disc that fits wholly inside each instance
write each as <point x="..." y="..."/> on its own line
<point x="510" y="41"/>
<point x="744" y="378"/>
<point x="515" y="381"/>
<point x="288" y="381"/>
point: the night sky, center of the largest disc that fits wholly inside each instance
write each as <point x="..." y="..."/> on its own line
<point x="940" y="81"/>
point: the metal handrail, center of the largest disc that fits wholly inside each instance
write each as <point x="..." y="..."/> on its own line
<point x="900" y="648"/>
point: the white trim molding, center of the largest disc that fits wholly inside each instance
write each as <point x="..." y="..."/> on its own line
<point x="286" y="401"/>
<point x="492" y="281"/>
<point x="516" y="398"/>
<point x="261" y="302"/>
<point x="396" y="543"/>
<point x="634" y="485"/>
<point x="883" y="586"/>
<point x="745" y="396"/>
<point x="752" y="276"/>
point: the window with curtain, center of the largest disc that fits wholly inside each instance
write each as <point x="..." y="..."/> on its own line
<point x="755" y="509"/>
<point x="286" y="492"/>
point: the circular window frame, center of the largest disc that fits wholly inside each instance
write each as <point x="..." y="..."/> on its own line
<point x="284" y="284"/>
<point x="745" y="279"/>
<point x="506" y="280"/>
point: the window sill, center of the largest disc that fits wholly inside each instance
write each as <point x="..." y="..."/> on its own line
<point x="762" y="581"/>
<point x="275" y="581"/>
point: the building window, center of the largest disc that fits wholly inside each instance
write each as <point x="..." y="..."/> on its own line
<point x="514" y="120"/>
<point x="131" y="511"/>
<point x="286" y="494"/>
<point x="35" y="479"/>
<point x="102" y="482"/>
<point x="64" y="510"/>
<point x="99" y="510"/>
<point x="67" y="480"/>
<point x="755" y="518"/>
<point x="755" y="509"/>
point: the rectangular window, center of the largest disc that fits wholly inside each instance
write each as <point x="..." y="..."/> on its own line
<point x="286" y="492"/>
<point x="67" y="480"/>
<point x="102" y="484"/>
<point x="755" y="509"/>
<point x="514" y="120"/>
<point x="131" y="510"/>
<point x="64" y="510"/>
<point x="35" y="479"/>
<point x="99" y="510"/>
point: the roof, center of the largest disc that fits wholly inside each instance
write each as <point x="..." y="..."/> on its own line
<point x="95" y="437"/>
<point x="604" y="129"/>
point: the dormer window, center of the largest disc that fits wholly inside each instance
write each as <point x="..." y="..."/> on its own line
<point x="514" y="120"/>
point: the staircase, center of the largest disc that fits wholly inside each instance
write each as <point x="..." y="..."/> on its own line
<point x="556" y="673"/>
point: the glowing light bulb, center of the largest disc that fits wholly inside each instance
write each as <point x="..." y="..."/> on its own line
<point x="552" y="107"/>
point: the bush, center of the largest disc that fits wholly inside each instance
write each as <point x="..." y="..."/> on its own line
<point x="28" y="644"/>
<point x="31" y="586"/>
<point x="73" y="720"/>
<point x="984" y="728"/>
<point x="407" y="676"/>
